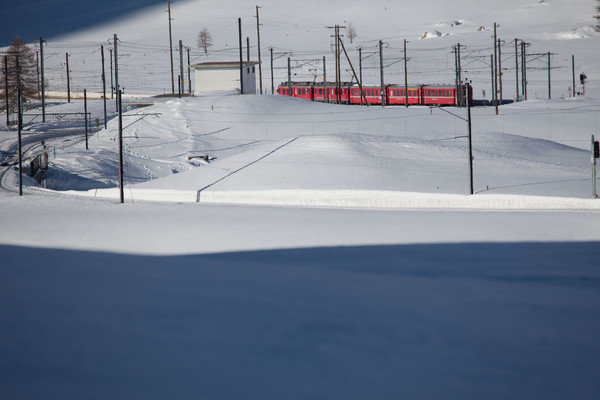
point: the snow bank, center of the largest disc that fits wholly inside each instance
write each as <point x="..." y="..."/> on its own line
<point x="360" y="199"/>
<point x="395" y="200"/>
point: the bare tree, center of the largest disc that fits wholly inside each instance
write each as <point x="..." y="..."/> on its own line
<point x="204" y="40"/>
<point x="351" y="32"/>
<point x="27" y="73"/>
<point x="597" y="15"/>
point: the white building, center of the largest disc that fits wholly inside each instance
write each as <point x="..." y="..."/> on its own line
<point x="211" y="77"/>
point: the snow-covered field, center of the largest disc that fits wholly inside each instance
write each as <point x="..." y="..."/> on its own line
<point x="319" y="251"/>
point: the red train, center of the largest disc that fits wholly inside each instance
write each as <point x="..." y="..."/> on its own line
<point x="441" y="95"/>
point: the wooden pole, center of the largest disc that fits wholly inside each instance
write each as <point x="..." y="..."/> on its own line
<point x="85" y="115"/>
<point x="68" y="79"/>
<point x="103" y="86"/>
<point x="495" y="68"/>
<point x="171" y="51"/>
<point x="43" y="81"/>
<point x="405" y="76"/>
<point x="260" y="82"/>
<point x="120" y="110"/>
<point x="241" y="57"/>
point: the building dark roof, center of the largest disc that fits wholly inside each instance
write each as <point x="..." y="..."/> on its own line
<point x="223" y="64"/>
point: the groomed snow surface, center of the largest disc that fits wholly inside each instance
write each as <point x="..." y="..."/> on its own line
<point x="272" y="248"/>
<point x="296" y="263"/>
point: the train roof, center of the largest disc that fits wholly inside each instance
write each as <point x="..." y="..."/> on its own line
<point x="307" y="83"/>
<point x="355" y="85"/>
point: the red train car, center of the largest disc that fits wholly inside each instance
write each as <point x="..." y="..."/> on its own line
<point x="439" y="95"/>
<point x="426" y="95"/>
<point x="324" y="92"/>
<point x="396" y="95"/>
<point x="372" y="94"/>
<point x="331" y="92"/>
<point x="301" y="90"/>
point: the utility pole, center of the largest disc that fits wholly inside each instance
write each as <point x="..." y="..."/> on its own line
<point x="492" y="77"/>
<point x="594" y="144"/>
<point x="456" y="81"/>
<point x="182" y="77"/>
<point x="338" y="73"/>
<point x="524" y="68"/>
<point x="326" y="92"/>
<point x="338" y="84"/>
<point x="112" y="86"/>
<point x="188" y="71"/>
<point x="171" y="50"/>
<point x="259" y="59"/>
<point x="117" y="88"/>
<point x="468" y="86"/>
<point x="248" y="48"/>
<point x="495" y="68"/>
<point x="272" y="78"/>
<point x="85" y="115"/>
<point x="549" y="81"/>
<point x="37" y="67"/>
<point x="289" y="65"/>
<point x="381" y="73"/>
<point x="43" y="81"/>
<point x="120" y="111"/>
<point x="241" y="57"/>
<point x="68" y="79"/>
<point x="517" y="68"/>
<point x="6" y="89"/>
<point x="573" y="69"/>
<point x="405" y="76"/>
<point x="457" y="63"/>
<point x="103" y="84"/>
<point x="360" y="69"/>
<point x="500" y="92"/>
<point x="360" y="62"/>
<point x="362" y="93"/>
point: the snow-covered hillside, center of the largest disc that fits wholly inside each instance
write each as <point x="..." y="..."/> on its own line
<point x="275" y="248"/>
